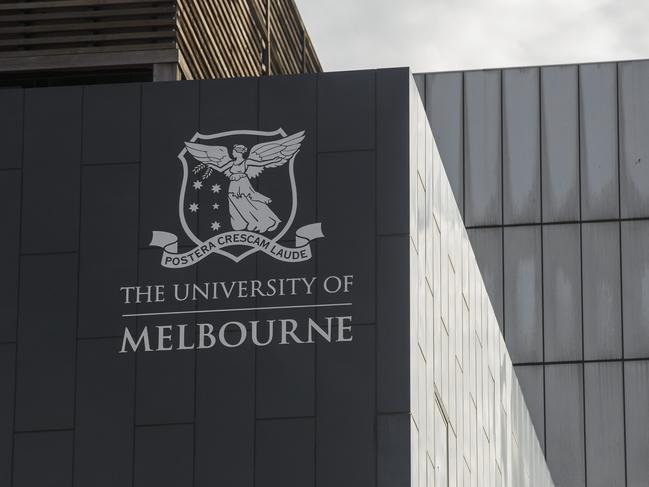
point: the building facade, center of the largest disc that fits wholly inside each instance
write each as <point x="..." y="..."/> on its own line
<point x="455" y="265"/>
<point x="340" y="335"/>
<point x="548" y="167"/>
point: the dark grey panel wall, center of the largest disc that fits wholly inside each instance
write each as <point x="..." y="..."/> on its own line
<point x="7" y="378"/>
<point x="104" y="414"/>
<point x="10" y="182"/>
<point x="43" y="458"/>
<point x="50" y="212"/>
<point x="11" y="128"/>
<point x="46" y="342"/>
<point x="100" y="172"/>
<point x="110" y="197"/>
<point x="111" y="113"/>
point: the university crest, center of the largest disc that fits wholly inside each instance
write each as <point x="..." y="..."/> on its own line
<point x="223" y="204"/>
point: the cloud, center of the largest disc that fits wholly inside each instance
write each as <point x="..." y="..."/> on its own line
<point x="438" y="35"/>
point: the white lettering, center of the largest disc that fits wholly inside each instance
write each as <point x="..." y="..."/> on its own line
<point x="164" y="333"/>
<point x="336" y="282"/>
<point x="342" y="328"/>
<point x="206" y="331"/>
<point x="181" y="339"/>
<point x="324" y="334"/>
<point x="242" y="331"/>
<point x="144" y="338"/>
<point x="286" y="332"/>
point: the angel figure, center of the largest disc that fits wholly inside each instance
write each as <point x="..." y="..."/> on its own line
<point x="249" y="209"/>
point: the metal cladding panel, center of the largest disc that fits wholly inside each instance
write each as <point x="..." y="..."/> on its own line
<point x="104" y="420"/>
<point x="523" y="289"/>
<point x="521" y="146"/>
<point x="51" y="452"/>
<point x="635" y="286"/>
<point x="444" y="96"/>
<point x="598" y="141"/>
<point x="11" y="128"/>
<point x="7" y="380"/>
<point x="560" y="143"/>
<point x="46" y="342"/>
<point x="487" y="244"/>
<point x="110" y="194"/>
<point x="284" y="451"/>
<point x="562" y="323"/>
<point x="483" y="148"/>
<point x="111" y="112"/>
<point x="52" y="132"/>
<point x="530" y="378"/>
<point x="602" y="288"/>
<point x="564" y="410"/>
<point x="604" y="409"/>
<point x="10" y="187"/>
<point x="634" y="146"/>
<point x="636" y="390"/>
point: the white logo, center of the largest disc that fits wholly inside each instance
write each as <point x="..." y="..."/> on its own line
<point x="223" y="213"/>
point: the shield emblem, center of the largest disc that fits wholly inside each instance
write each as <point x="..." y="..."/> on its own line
<point x="238" y="181"/>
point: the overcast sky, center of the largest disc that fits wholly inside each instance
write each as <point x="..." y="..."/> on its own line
<point x="441" y="35"/>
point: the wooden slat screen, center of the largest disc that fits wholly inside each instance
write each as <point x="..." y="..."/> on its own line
<point x="230" y="38"/>
<point x="85" y="26"/>
<point x="209" y="38"/>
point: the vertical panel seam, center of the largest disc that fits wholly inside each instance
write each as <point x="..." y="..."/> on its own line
<point x="502" y="218"/>
<point x="376" y="267"/>
<point x="76" y="331"/>
<point x="540" y="101"/>
<point x="316" y="270"/>
<point x="20" y="233"/>
<point x="619" y="194"/>
<point x="463" y="177"/>
<point x="195" y="352"/>
<point x="583" y="365"/>
<point x="138" y="276"/>
<point x="257" y="263"/>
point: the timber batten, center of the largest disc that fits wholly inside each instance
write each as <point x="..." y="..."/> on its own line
<point x="203" y="38"/>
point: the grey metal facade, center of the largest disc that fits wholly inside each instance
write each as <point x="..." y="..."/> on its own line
<point x="550" y="170"/>
<point x="469" y="423"/>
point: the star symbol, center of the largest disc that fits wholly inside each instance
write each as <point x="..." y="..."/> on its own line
<point x="215" y="206"/>
<point x="193" y="207"/>
<point x="216" y="226"/>
<point x="198" y="185"/>
<point x="216" y="188"/>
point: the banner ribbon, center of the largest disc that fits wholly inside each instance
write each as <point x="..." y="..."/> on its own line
<point x="174" y="260"/>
